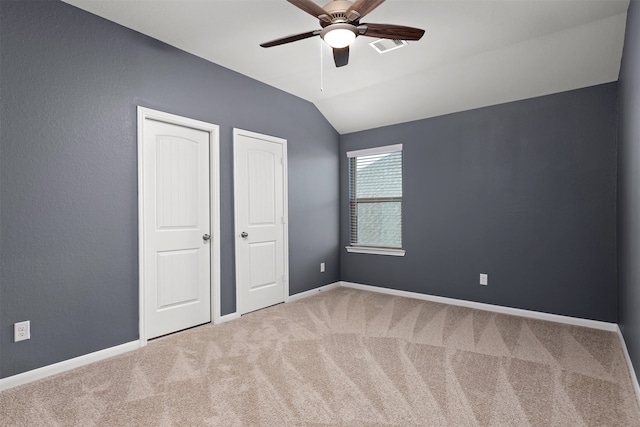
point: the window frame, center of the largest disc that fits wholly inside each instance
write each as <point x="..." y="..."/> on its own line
<point x="353" y="202"/>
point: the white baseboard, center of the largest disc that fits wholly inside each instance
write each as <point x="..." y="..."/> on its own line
<point x="228" y="317"/>
<point x="291" y="298"/>
<point x="311" y="292"/>
<point x="632" y="372"/>
<point x="56" y="368"/>
<point x="76" y="362"/>
<point x="66" y="365"/>
<point x="595" y="324"/>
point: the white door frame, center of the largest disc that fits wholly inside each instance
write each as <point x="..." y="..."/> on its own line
<point x="214" y="188"/>
<point x="285" y="201"/>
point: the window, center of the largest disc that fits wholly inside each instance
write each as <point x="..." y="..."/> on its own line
<point x="375" y="198"/>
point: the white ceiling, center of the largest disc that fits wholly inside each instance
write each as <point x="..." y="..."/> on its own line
<point x="474" y="53"/>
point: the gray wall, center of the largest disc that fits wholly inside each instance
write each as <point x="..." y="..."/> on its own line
<point x="629" y="188"/>
<point x="70" y="83"/>
<point x="523" y="191"/>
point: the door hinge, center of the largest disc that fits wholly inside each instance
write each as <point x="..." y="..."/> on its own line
<point x="283" y="220"/>
<point x="282" y="161"/>
<point x="284" y="278"/>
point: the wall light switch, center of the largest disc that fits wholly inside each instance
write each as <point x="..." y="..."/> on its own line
<point x="484" y="279"/>
<point x="322" y="267"/>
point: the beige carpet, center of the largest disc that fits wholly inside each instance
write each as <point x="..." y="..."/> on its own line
<point x="347" y="357"/>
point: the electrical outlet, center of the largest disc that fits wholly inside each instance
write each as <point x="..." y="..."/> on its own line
<point x="22" y="331"/>
<point x="484" y="279"/>
<point x="322" y="267"/>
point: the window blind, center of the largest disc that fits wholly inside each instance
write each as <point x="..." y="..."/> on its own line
<point x="375" y="194"/>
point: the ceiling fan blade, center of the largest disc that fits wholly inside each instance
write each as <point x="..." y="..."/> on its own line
<point x="362" y="7"/>
<point x="289" y="39"/>
<point x="341" y="56"/>
<point x="388" y="31"/>
<point x="308" y="6"/>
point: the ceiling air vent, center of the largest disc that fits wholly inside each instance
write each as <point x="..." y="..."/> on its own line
<point x="386" y="45"/>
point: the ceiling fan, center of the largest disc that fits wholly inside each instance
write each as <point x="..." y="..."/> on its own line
<point x="340" y="22"/>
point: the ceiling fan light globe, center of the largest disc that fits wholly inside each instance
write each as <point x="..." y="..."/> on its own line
<point x="339" y="35"/>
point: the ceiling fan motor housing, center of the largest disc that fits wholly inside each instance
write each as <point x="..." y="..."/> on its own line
<point x="337" y="9"/>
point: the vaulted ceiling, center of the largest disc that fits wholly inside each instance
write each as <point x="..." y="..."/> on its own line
<point x="474" y="53"/>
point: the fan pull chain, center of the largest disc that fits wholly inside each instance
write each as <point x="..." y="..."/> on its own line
<point x="321" y="68"/>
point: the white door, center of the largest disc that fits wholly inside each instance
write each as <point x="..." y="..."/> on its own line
<point x="177" y="289"/>
<point x="261" y="215"/>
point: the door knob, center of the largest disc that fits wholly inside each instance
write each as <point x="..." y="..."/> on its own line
<point x="244" y="234"/>
<point x="206" y="237"/>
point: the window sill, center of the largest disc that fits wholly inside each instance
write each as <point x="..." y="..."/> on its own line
<point x="375" y="251"/>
